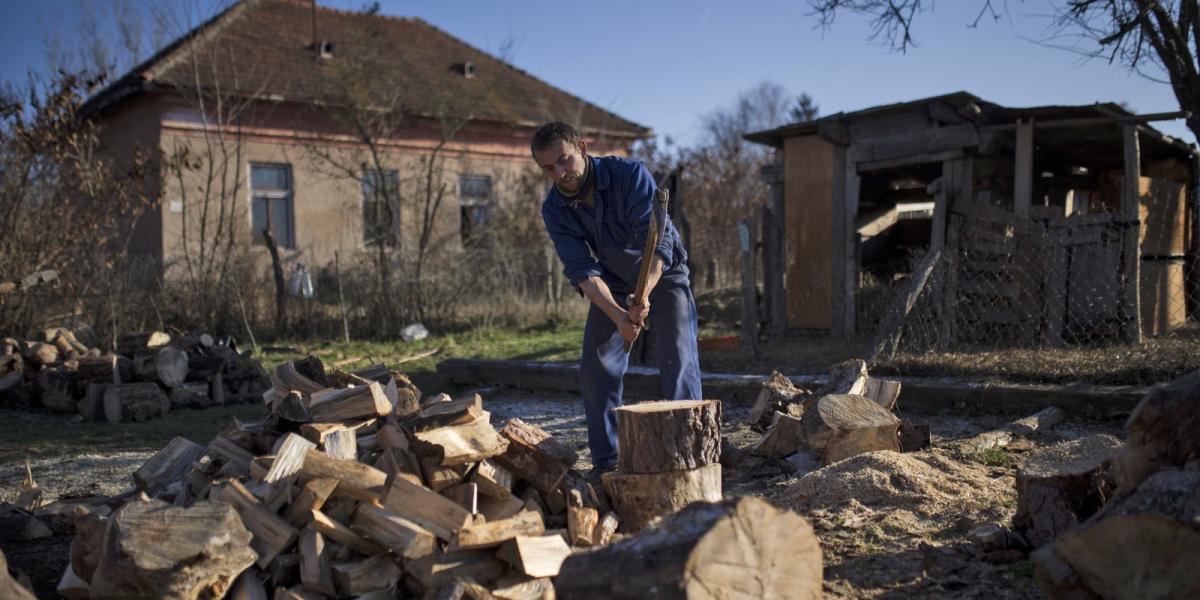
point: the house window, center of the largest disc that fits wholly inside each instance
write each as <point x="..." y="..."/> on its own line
<point x="475" y="196"/>
<point x="380" y="203"/>
<point x="271" y="203"/>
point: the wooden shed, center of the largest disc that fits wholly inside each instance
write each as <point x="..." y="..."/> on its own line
<point x="1025" y="212"/>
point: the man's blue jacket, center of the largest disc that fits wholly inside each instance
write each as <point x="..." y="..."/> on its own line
<point x="607" y="240"/>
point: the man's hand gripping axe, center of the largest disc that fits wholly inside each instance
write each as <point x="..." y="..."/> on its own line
<point x="656" y="231"/>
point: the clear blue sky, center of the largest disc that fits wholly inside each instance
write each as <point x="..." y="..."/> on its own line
<point x="664" y="63"/>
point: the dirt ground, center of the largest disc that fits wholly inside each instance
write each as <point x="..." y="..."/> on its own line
<point x="890" y="525"/>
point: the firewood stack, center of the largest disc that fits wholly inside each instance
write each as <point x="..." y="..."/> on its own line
<point x="148" y="374"/>
<point x="850" y="415"/>
<point x="353" y="486"/>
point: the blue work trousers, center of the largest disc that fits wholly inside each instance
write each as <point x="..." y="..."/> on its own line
<point x="602" y="367"/>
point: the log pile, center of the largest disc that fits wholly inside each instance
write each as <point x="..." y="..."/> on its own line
<point x="149" y="374"/>
<point x="1143" y="541"/>
<point x="354" y="486"/>
<point x="851" y="414"/>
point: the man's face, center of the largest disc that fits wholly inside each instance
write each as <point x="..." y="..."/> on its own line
<point x="563" y="164"/>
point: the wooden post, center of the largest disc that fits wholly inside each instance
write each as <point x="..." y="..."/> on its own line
<point x="837" y="254"/>
<point x="1023" y="172"/>
<point x="749" y="288"/>
<point x="1131" y="256"/>
<point x="948" y="327"/>
<point x="1054" y="284"/>
<point x="1192" y="277"/>
<point x="774" y="252"/>
<point x="337" y="273"/>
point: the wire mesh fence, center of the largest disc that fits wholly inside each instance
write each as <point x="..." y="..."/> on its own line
<point x="1083" y="296"/>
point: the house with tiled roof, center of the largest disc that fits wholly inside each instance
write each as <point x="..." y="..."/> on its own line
<point x="285" y="115"/>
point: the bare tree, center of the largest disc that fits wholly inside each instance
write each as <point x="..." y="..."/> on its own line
<point x="1147" y="36"/>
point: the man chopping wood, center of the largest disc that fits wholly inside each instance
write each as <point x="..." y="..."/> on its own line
<point x="599" y="213"/>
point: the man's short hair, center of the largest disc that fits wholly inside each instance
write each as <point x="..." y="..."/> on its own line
<point x="552" y="132"/>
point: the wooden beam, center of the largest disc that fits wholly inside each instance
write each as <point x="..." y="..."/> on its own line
<point x="748" y="245"/>
<point x="1192" y="277"/>
<point x="837" y="255"/>
<point x="1023" y="169"/>
<point x="912" y="159"/>
<point x="888" y="334"/>
<point x="932" y="140"/>
<point x="1131" y="256"/>
<point x="850" y="249"/>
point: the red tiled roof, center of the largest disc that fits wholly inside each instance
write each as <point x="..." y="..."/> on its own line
<point x="265" y="48"/>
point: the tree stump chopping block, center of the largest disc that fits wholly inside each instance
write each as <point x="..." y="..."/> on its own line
<point x="1061" y="485"/>
<point x="639" y="498"/>
<point x="1162" y="431"/>
<point x="656" y="437"/>
<point x="742" y="548"/>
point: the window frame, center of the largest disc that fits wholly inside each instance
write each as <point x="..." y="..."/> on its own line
<point x="470" y="203"/>
<point x="392" y="240"/>
<point x="287" y="195"/>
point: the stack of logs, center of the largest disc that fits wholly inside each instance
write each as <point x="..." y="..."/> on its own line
<point x="850" y="415"/>
<point x="354" y="487"/>
<point x="148" y="374"/>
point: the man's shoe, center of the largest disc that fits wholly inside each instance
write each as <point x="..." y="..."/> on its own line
<point x="594" y="477"/>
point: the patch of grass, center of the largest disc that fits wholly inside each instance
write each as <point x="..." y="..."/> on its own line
<point x="994" y="457"/>
<point x="41" y="435"/>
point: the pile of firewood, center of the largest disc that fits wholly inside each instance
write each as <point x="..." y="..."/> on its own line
<point x="851" y="414"/>
<point x="148" y="374"/>
<point x="354" y="487"/>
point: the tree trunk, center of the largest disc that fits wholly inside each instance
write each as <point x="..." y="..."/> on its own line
<point x="166" y="365"/>
<point x="654" y="437"/>
<point x="1061" y="485"/>
<point x="280" y="285"/>
<point x="742" y="548"/>
<point x="640" y="498"/>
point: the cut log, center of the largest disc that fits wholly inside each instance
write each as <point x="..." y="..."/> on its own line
<point x="396" y="462"/>
<point x="1062" y="485"/>
<point x="109" y="369"/>
<point x="1021" y="428"/>
<point x="342" y="444"/>
<point x="495" y="533"/>
<point x="581" y="525"/>
<point x="272" y="534"/>
<point x="349" y="403"/>
<point x="335" y="531"/>
<point x="495" y="509"/>
<point x="290" y="453"/>
<point x="402" y="536"/>
<point x="913" y="436"/>
<point x="168" y="465"/>
<point x="641" y="498"/>
<point x="461" y="444"/>
<point x="129" y="343"/>
<point x="742" y="548"/>
<point x="536" y="556"/>
<point x="439" y="478"/>
<point x="1138" y="546"/>
<point x="493" y="480"/>
<point x="167" y="365"/>
<point x="535" y="436"/>
<point x="777" y="393"/>
<point x="193" y="394"/>
<point x="849" y="377"/>
<point x="655" y="437"/>
<point x="154" y="550"/>
<point x="466" y="494"/>
<point x="441" y="414"/>
<point x="355" y="480"/>
<point x="133" y="402"/>
<point x="1163" y="431"/>
<point x="436" y="570"/>
<point x="10" y="588"/>
<point x="229" y="453"/>
<point x="531" y="456"/>
<point x="366" y="576"/>
<point x="605" y="529"/>
<point x="56" y="389"/>
<point x="783" y="438"/>
<point x="316" y="567"/>
<point x="312" y="497"/>
<point x="839" y="426"/>
<point x="440" y="515"/>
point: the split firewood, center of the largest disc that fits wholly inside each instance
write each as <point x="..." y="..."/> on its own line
<point x="849" y="377"/>
<point x="1021" y="428"/>
<point x="493" y="480"/>
<point x="1143" y="541"/>
<point x="355" y="480"/>
<point x="528" y="589"/>
<point x="654" y="437"/>
<point x="397" y="462"/>
<point x="312" y="497"/>
<point x="742" y="548"/>
<point x="532" y="455"/>
<point x="349" y="403"/>
<point x="249" y="586"/>
<point x="581" y="525"/>
<point x="316" y="566"/>
<point x="21" y="526"/>
<point x="193" y="394"/>
<point x="440" y="515"/>
<point x="605" y="529"/>
<point x="271" y="533"/>
<point x="342" y="444"/>
<point x="461" y="443"/>
<point x="439" y="477"/>
<point x="337" y="532"/>
<point x="363" y="577"/>
<point x="776" y="395"/>
<point x="842" y="425"/>
<point x="130" y="343"/>
<point x="783" y="438"/>
<point x="404" y="537"/>
<point x="1163" y="431"/>
<point x="914" y="436"/>
<point x="290" y="453"/>
<point x="536" y="556"/>
<point x="639" y="498"/>
<point x="535" y="436"/>
<point x="1061" y="485"/>
<point x="168" y="465"/>
<point x="230" y="454"/>
<point x="133" y="402"/>
<point x="466" y="494"/>
<point x="10" y="588"/>
<point x="42" y="354"/>
<point x="456" y="411"/>
<point x="109" y="369"/>
<point x="56" y="389"/>
<point x="496" y="509"/>
<point x="436" y="570"/>
<point x="883" y="392"/>
<point x="155" y="550"/>
<point x="495" y="533"/>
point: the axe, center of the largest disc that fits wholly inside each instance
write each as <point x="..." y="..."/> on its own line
<point x="656" y="231"/>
